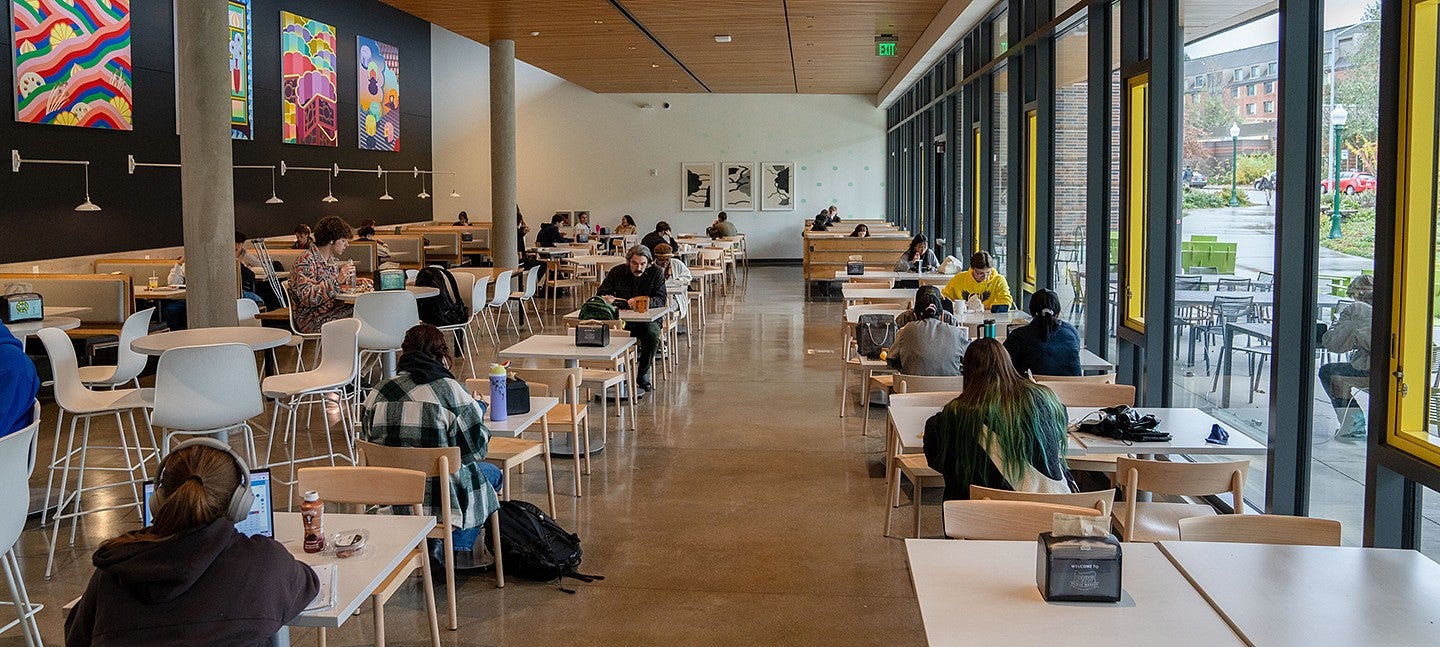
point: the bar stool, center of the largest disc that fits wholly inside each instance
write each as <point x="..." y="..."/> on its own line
<point x="338" y="367"/>
<point x="17" y="462"/>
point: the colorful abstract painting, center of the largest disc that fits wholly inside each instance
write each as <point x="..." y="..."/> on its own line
<point x="72" y="62"/>
<point x="242" y="111"/>
<point x="378" y="67"/>
<point x="307" y="71"/>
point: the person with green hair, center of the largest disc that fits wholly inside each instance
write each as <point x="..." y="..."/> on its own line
<point x="1003" y="431"/>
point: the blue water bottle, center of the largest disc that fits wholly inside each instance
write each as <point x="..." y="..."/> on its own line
<point x="497" y="393"/>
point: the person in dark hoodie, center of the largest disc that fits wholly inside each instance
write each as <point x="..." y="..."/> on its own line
<point x="18" y="384"/>
<point x="1046" y="345"/>
<point x="190" y="578"/>
<point x="550" y="234"/>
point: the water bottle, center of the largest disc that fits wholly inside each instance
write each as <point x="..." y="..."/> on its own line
<point x="497" y="393"/>
<point x="987" y="328"/>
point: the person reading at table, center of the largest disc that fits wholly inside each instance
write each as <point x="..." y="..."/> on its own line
<point x="303" y="237"/>
<point x="916" y="311"/>
<point x="862" y="230"/>
<point x="918" y="257"/>
<point x="675" y="270"/>
<point x="425" y="406"/>
<point x="981" y="280"/>
<point x="550" y="234"/>
<point x="462" y="220"/>
<point x="317" y="280"/>
<point x="638" y="278"/>
<point x="661" y="235"/>
<point x="191" y="578"/>
<point x="1350" y="333"/>
<point x="626" y="226"/>
<point x="18" y="384"/>
<point x="1003" y="431"/>
<point x="927" y="344"/>
<point x="1046" y="345"/>
<point x="722" y="227"/>
<point x="175" y="312"/>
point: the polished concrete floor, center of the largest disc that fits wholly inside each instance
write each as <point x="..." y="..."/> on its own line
<point x="743" y="510"/>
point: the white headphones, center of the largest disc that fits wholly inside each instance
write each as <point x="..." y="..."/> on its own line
<point x="240" y="501"/>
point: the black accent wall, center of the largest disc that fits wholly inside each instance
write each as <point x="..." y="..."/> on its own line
<point x="37" y="217"/>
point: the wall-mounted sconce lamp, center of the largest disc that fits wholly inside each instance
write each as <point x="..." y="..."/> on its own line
<point x="87" y="205"/>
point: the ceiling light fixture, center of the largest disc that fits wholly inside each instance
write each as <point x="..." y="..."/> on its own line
<point x="274" y="198"/>
<point x="423" y="194"/>
<point x="329" y="190"/>
<point x="387" y="195"/>
<point x="534" y="33"/>
<point x="722" y="38"/>
<point x="654" y="65"/>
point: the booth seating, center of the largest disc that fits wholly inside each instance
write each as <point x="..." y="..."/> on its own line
<point x="138" y="269"/>
<point x="410" y="248"/>
<point x="449" y="250"/>
<point x="825" y="253"/>
<point x="285" y="256"/>
<point x="110" y="297"/>
<point x="365" y="255"/>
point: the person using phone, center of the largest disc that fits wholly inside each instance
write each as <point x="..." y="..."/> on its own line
<point x="638" y="277"/>
<point x="982" y="281"/>
<point x="918" y="257"/>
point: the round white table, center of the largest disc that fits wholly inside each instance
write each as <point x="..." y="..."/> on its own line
<point x="256" y="338"/>
<point x="27" y="328"/>
<point x="420" y="292"/>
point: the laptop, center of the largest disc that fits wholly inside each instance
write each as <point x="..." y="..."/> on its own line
<point x="260" y="521"/>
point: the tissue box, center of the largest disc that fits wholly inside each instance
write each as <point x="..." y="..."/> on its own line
<point x="1078" y="569"/>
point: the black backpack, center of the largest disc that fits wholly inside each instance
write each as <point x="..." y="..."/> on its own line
<point x="446" y="308"/>
<point x="534" y="547"/>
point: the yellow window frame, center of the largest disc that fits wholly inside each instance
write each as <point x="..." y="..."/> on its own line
<point x="1032" y="183"/>
<point x="1414" y="258"/>
<point x="1136" y="214"/>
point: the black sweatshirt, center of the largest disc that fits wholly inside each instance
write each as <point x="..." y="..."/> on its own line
<point x="623" y="283"/>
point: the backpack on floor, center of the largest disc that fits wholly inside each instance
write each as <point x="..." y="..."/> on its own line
<point x="446" y="308"/>
<point x="534" y="547"/>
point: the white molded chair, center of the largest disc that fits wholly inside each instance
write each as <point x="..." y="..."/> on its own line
<point x="465" y="285"/>
<point x="338" y="367"/>
<point x="248" y="314"/>
<point x="205" y="391"/>
<point x="527" y="295"/>
<point x="384" y="318"/>
<point x="129" y="363"/>
<point x="81" y="403"/>
<point x="17" y="462"/>
<point x="500" y="300"/>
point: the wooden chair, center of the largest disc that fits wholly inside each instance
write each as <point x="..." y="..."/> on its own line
<point x="914" y="466"/>
<point x="1103" y="378"/>
<point x="361" y="486"/>
<point x="1004" y="520"/>
<point x="1158" y="521"/>
<point x="569" y="417"/>
<point x="1261" y="529"/>
<point x="1101" y="500"/>
<point x="437" y="463"/>
<point x="1091" y="395"/>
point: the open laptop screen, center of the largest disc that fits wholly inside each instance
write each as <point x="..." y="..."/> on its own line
<point x="260" y="521"/>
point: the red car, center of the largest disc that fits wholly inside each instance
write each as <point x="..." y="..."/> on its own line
<point x="1351" y="183"/>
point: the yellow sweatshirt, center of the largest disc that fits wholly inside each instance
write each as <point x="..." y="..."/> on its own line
<point x="992" y="291"/>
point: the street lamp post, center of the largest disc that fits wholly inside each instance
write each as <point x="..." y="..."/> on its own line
<point x="1234" y="145"/>
<point x="1338" y="117"/>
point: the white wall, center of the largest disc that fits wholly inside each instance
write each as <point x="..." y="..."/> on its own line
<point x="578" y="150"/>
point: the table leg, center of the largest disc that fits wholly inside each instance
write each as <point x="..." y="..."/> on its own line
<point x="387" y="363"/>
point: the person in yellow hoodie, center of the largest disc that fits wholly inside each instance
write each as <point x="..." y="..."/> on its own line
<point x="980" y="280"/>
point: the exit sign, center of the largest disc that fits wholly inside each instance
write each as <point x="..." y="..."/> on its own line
<point x="885" y="48"/>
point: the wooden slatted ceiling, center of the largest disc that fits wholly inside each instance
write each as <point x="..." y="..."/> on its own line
<point x="593" y="44"/>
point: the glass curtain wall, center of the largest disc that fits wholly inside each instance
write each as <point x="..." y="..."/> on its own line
<point x="1112" y="293"/>
<point x="1069" y="182"/>
<point x="1000" y="167"/>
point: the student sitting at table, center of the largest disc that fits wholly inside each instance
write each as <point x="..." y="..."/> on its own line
<point x="913" y="314"/>
<point x="675" y="270"/>
<point x="918" y="257"/>
<point x="638" y="278"/>
<point x="425" y="406"/>
<point x="626" y="226"/>
<point x="1350" y="333"/>
<point x="582" y="226"/>
<point x="1003" y="431"/>
<point x="861" y="231"/>
<point x="821" y="222"/>
<point x="981" y="280"/>
<point x="661" y="235"/>
<point x="928" y="345"/>
<point x="550" y="234"/>
<point x="18" y="384"/>
<point x="834" y="213"/>
<point x="1046" y="345"/>
<point x="317" y="280"/>
<point x="174" y="312"/>
<point x="382" y="250"/>
<point x="302" y="237"/>
<point x="190" y="578"/>
<point x="462" y="220"/>
<point x="722" y="227"/>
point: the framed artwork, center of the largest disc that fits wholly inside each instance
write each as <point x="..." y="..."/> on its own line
<point x="307" y="81"/>
<point x="697" y="181"/>
<point x="777" y="186"/>
<point x="378" y="74"/>
<point x="739" y="180"/>
<point x="72" y="63"/>
<point x="242" y="84"/>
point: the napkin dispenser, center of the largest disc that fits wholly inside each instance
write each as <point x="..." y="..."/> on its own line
<point x="596" y="335"/>
<point x="1072" y="568"/>
<point x="392" y="279"/>
<point x="21" y="307"/>
<point x="854" y="268"/>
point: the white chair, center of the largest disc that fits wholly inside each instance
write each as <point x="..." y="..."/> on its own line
<point x="527" y="295"/>
<point x="479" y="297"/>
<point x="338" y="367"/>
<point x="384" y="318"/>
<point x="207" y="391"/>
<point x="465" y="284"/>
<point x="129" y="363"/>
<point x="248" y="314"/>
<point x="503" y="290"/>
<point x="81" y="403"/>
<point x="17" y="462"/>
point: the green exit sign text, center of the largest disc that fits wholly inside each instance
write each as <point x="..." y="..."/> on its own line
<point x="885" y="49"/>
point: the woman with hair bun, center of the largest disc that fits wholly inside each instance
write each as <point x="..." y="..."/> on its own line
<point x="1046" y="345"/>
<point x="926" y="343"/>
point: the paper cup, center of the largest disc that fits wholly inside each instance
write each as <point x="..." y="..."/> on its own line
<point x="642" y="304"/>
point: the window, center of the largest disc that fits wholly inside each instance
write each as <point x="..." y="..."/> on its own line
<point x="1254" y="71"/>
<point x="1269" y="87"/>
<point x="1137" y="127"/>
<point x="1273" y="69"/>
<point x="1269" y="107"/>
<point x="1199" y="80"/>
<point x="1071" y="171"/>
<point x="1000" y="189"/>
<point x="1250" y="90"/>
<point x="1238" y="74"/>
<point x="1249" y="108"/>
<point x="1235" y="91"/>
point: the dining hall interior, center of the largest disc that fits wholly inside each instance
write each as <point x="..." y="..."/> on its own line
<point x="798" y="321"/>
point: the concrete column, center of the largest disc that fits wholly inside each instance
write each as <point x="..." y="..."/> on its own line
<point x="503" y="196"/>
<point x="207" y="190"/>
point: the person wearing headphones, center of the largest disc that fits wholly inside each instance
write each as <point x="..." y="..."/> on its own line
<point x="190" y="578"/>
